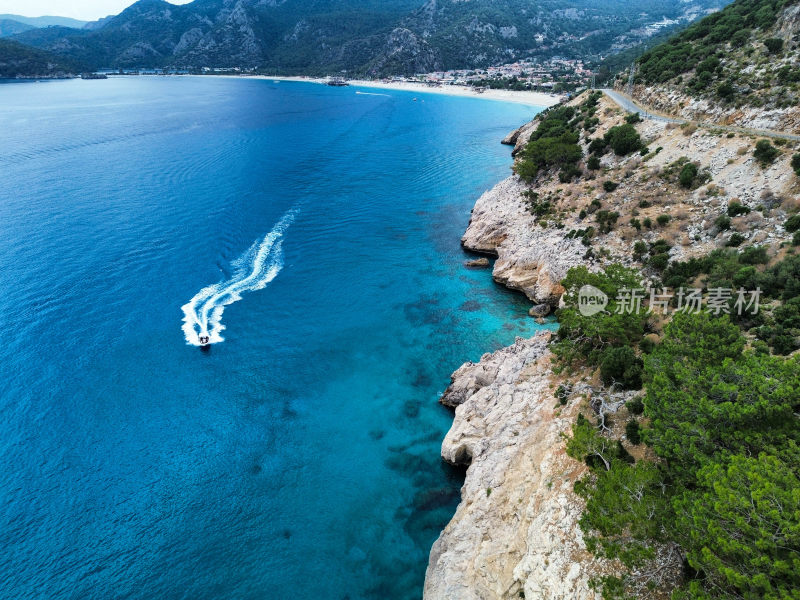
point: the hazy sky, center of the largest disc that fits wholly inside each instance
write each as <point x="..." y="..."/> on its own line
<point x="86" y="10"/>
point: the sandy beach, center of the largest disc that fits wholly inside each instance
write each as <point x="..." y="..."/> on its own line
<point x="528" y="98"/>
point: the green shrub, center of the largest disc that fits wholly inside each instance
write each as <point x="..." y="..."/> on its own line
<point x="554" y="144"/>
<point x="735" y="240"/>
<point x="593" y="163"/>
<point x="725" y="90"/>
<point x="632" y="432"/>
<point x="610" y="186"/>
<point x="659" y="261"/>
<point x="792" y="223"/>
<point x="648" y="222"/>
<point x="587" y="338"/>
<point x="621" y="366"/>
<point x="562" y="393"/>
<point x="663" y="219"/>
<point x="635" y="406"/>
<point x="598" y="146"/>
<point x="754" y="255"/>
<point x="647" y="345"/>
<point x="740" y="38"/>
<point x="687" y="175"/>
<point x="735" y="209"/>
<point x="568" y="173"/>
<point x="774" y="45"/>
<point x="796" y="239"/>
<point x="660" y="246"/>
<point x="796" y="164"/>
<point x="633" y="118"/>
<point x="639" y="250"/>
<point x="723" y="222"/>
<point x="636" y="224"/>
<point x="765" y="152"/>
<point x="606" y="220"/>
<point x="623" y="139"/>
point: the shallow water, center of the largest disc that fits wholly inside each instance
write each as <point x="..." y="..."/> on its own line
<point x="299" y="457"/>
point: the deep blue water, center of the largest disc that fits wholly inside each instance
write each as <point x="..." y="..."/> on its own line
<point x="300" y="457"/>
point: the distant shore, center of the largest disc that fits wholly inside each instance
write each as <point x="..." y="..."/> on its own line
<point x="528" y="98"/>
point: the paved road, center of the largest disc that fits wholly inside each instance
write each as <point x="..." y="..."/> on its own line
<point x="630" y="106"/>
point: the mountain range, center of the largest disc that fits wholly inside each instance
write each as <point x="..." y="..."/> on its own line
<point x="47" y="21"/>
<point x="374" y="37"/>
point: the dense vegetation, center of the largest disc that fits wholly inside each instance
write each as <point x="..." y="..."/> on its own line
<point x="19" y="60"/>
<point x="699" y="47"/>
<point x="10" y="27"/>
<point x="555" y="142"/>
<point x="738" y="56"/>
<point x="719" y="483"/>
<point x="778" y="322"/>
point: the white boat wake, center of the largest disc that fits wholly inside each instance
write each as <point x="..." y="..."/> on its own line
<point x="253" y="270"/>
<point x="372" y="94"/>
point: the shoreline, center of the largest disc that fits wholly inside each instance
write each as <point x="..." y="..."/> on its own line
<point x="516" y="531"/>
<point x="537" y="99"/>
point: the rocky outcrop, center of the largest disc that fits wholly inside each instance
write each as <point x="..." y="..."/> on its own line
<point x="405" y="51"/>
<point x="519" y="137"/>
<point x="531" y="259"/>
<point x="540" y="310"/>
<point x="515" y="533"/>
<point x="478" y="263"/>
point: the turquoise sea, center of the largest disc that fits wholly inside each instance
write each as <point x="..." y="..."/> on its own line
<point x="316" y="231"/>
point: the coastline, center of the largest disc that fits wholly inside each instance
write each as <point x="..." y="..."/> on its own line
<point x="516" y="531"/>
<point x="538" y="99"/>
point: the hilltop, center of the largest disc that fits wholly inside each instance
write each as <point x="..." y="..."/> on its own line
<point x="47" y="21"/>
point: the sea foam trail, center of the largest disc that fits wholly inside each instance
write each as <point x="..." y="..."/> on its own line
<point x="253" y="270"/>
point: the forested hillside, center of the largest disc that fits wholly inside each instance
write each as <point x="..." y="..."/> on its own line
<point x="17" y="60"/>
<point x="744" y="55"/>
<point x="363" y="36"/>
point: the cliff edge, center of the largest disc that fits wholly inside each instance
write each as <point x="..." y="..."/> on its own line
<point x="515" y="533"/>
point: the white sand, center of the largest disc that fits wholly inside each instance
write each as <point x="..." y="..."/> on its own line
<point x="529" y="98"/>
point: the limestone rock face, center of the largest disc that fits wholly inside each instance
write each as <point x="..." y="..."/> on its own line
<point x="540" y="310"/>
<point x="519" y="137"/>
<point x="516" y="529"/>
<point x="531" y="259"/>
<point x="478" y="263"/>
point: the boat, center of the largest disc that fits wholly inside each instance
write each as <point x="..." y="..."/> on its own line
<point x="337" y="82"/>
<point x="205" y="341"/>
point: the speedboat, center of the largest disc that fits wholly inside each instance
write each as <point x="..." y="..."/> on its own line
<point x="205" y="341"/>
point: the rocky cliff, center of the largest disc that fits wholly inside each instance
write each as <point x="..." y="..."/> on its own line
<point x="530" y="261"/>
<point x="515" y="533"/>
